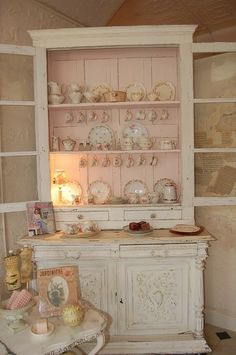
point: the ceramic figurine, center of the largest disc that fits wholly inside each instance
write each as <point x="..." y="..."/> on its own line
<point x="55" y="144"/>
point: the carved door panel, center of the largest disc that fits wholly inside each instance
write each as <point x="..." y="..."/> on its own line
<point x="154" y="296"/>
<point x="96" y="285"/>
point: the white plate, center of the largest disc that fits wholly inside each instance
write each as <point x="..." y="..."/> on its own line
<point x="139" y="233"/>
<point x="70" y="190"/>
<point x="135" y="131"/>
<point x="135" y="88"/>
<point x="185" y="229"/>
<point x="159" y="187"/>
<point x="136" y="187"/>
<point x="50" y="330"/>
<point x="82" y="234"/>
<point x="164" y="90"/>
<point x="101" y="191"/>
<point x="100" y="135"/>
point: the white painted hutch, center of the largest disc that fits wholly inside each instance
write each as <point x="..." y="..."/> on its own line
<point x="152" y="288"/>
<point x="119" y="57"/>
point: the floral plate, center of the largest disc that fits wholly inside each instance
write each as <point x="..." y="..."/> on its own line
<point x="100" y="135"/>
<point x="164" y="90"/>
<point x="100" y="191"/>
<point x="135" y="187"/>
<point x="135" y="131"/>
<point x="135" y="92"/>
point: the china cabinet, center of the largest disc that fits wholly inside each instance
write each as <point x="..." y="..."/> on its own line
<point x="114" y="104"/>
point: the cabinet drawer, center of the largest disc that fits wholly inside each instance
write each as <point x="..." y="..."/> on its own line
<point x="134" y="215"/>
<point x="152" y="251"/>
<point x="68" y="254"/>
<point x="75" y="216"/>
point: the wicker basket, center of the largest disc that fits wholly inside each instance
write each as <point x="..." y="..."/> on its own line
<point x="114" y="96"/>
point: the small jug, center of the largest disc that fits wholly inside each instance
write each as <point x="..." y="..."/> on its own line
<point x="169" y="193"/>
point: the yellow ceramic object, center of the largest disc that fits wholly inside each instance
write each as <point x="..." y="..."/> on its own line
<point x="12" y="274"/>
<point x="26" y="269"/>
<point x="73" y="315"/>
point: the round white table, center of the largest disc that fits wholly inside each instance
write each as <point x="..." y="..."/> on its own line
<point x="62" y="339"/>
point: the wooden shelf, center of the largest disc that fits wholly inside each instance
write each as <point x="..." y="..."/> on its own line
<point x="118" y="151"/>
<point x="118" y="105"/>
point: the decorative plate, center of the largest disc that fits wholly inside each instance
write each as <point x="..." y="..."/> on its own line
<point x="135" y="92"/>
<point x="135" y="131"/>
<point x="72" y="190"/>
<point x="164" y="90"/>
<point x="159" y="186"/>
<point x="139" y="233"/>
<point x="186" y="229"/>
<point x="136" y="187"/>
<point x="100" y="191"/>
<point x="100" y="135"/>
<point x="82" y="234"/>
<point x="50" y="330"/>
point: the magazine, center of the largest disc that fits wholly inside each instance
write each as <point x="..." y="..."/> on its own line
<point x="40" y="218"/>
<point x="57" y="287"/>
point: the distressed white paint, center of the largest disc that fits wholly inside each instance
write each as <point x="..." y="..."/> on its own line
<point x="152" y="287"/>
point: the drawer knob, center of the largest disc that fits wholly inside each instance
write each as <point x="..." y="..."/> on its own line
<point x="80" y="216"/>
<point x="153" y="215"/>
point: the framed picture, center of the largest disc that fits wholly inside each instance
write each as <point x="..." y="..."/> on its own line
<point x="40" y="218"/>
<point x="57" y="287"/>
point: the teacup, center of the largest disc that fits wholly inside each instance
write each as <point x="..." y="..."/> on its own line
<point x="167" y="144"/>
<point x="145" y="198"/>
<point x="133" y="198"/>
<point x="152" y="96"/>
<point x="117" y="161"/>
<point x="154" y="197"/>
<point x="55" y="99"/>
<point x="91" y="97"/>
<point x="146" y="142"/>
<point x="128" y="143"/>
<point x="72" y="228"/>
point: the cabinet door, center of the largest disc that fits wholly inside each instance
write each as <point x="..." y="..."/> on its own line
<point x="153" y="296"/>
<point x="96" y="284"/>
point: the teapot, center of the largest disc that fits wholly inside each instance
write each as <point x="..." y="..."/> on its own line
<point x="68" y="144"/>
<point x="146" y="142"/>
<point x="75" y="97"/>
<point x="54" y="88"/>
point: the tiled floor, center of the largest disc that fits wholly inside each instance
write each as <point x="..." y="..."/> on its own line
<point x="220" y="347"/>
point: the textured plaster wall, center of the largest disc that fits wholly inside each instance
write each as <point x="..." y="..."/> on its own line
<point x="220" y="275"/>
<point x="16" y="123"/>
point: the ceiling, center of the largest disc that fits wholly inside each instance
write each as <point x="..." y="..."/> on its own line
<point x="216" y="19"/>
